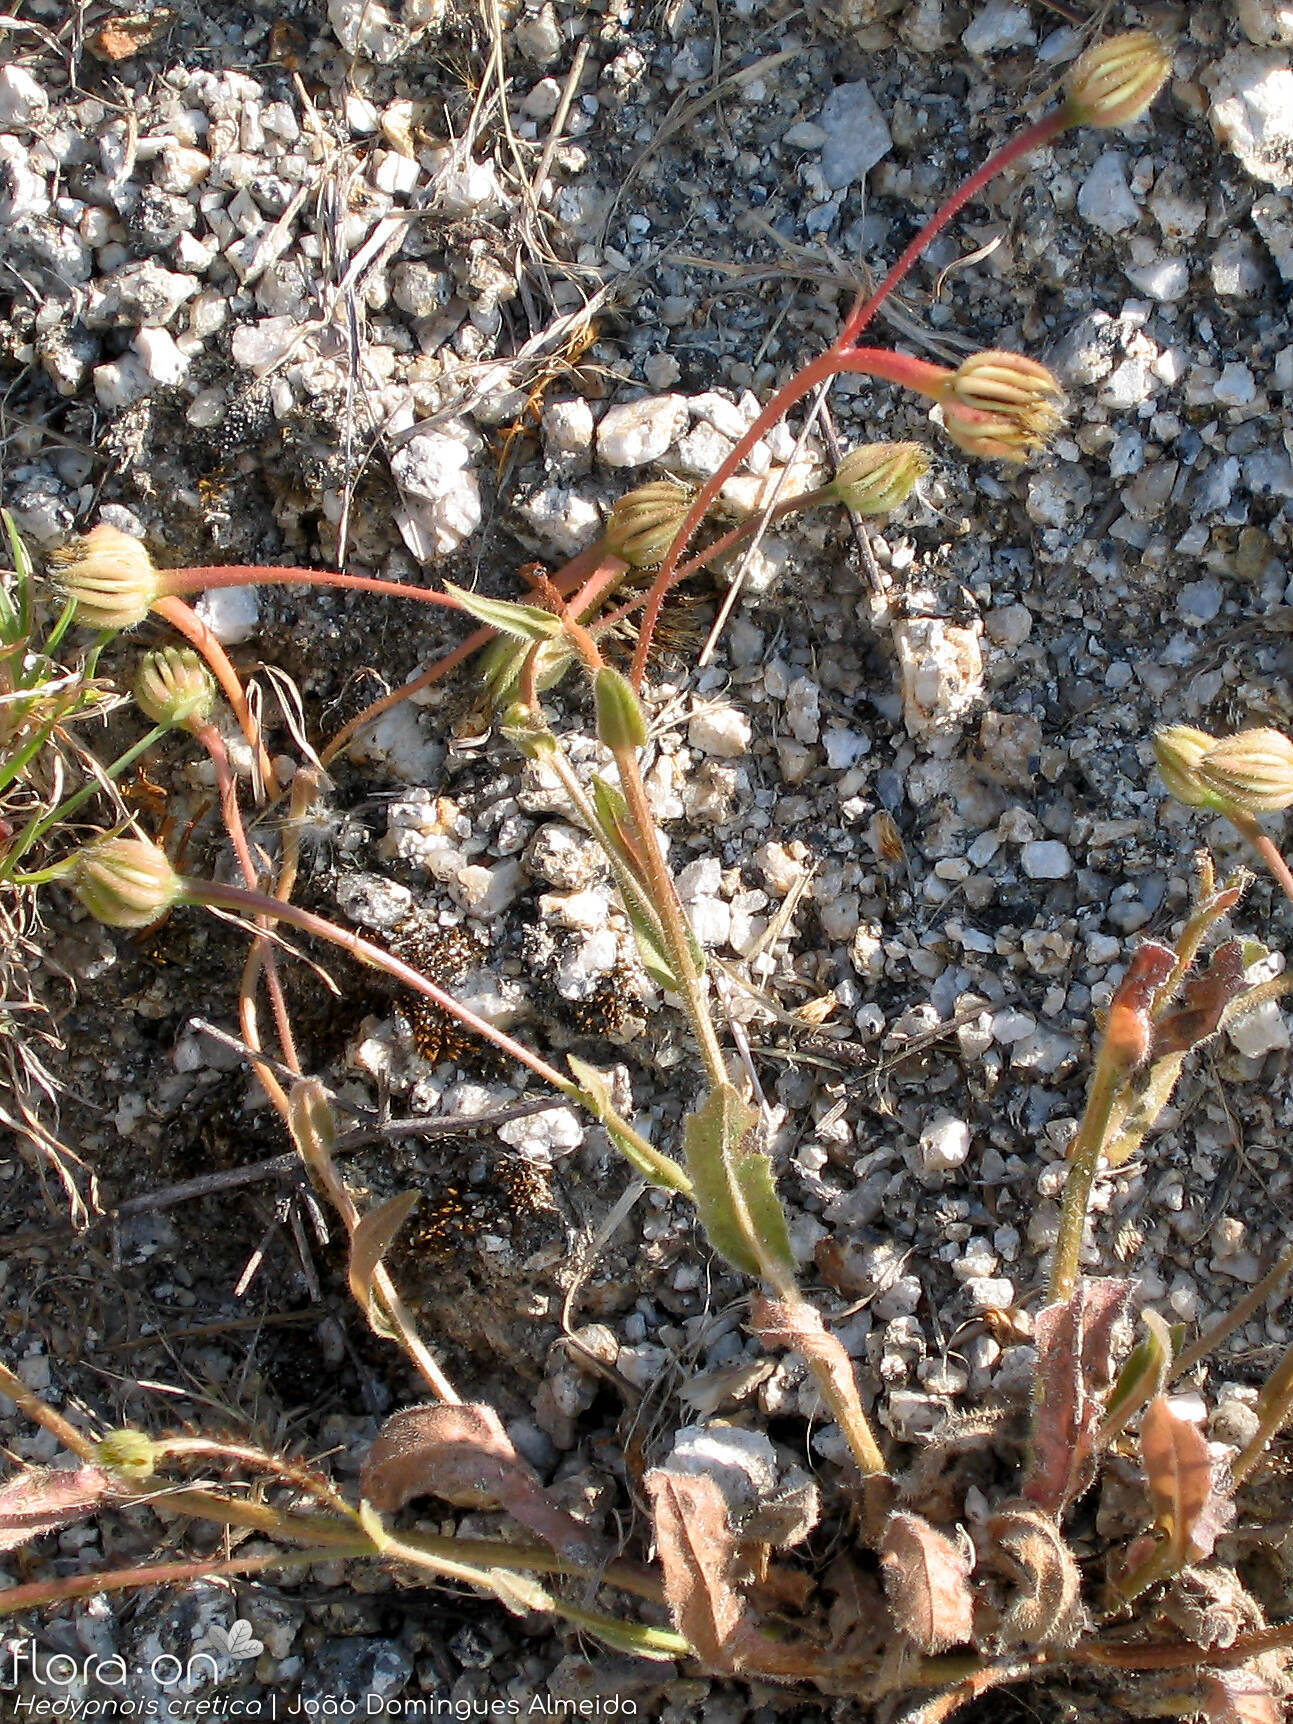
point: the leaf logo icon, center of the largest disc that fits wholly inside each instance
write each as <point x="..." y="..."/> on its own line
<point x="238" y="1640"/>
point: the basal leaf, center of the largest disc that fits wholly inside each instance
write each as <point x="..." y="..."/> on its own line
<point x="522" y="622"/>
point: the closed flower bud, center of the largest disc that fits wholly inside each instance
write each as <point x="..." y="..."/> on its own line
<point x="1115" y="81"/>
<point x="999" y="382"/>
<point x="111" y="578"/>
<point x="126" y="882"/>
<point x="1253" y="769"/>
<point x="996" y="436"/>
<point x="1179" y="749"/>
<point x="173" y="686"/>
<point x="644" y="523"/>
<point x="128" y="1452"/>
<point x="621" y="722"/>
<point x="877" y="477"/>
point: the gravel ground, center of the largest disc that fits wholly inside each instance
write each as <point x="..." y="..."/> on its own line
<point x="420" y="291"/>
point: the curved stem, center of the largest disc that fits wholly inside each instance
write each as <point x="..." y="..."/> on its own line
<point x="1032" y="138"/>
<point x="1249" y="830"/>
<point x="187" y="622"/>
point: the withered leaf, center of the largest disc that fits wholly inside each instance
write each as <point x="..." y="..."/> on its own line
<point x="1204" y="997"/>
<point x="1178" y="1470"/>
<point x="1046" y="1610"/>
<point x="697" y="1551"/>
<point x="1075" y="1347"/>
<point x="122" y="38"/>
<point x="462" y="1454"/>
<point x="39" y="1501"/>
<point x="926" y="1579"/>
<point x="371" y="1240"/>
<point x="795" y="1323"/>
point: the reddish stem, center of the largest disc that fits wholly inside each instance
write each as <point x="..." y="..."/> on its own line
<point x="1031" y="138"/>
<point x="590" y="571"/>
<point x="203" y="579"/>
<point x="187" y="622"/>
<point x="829" y="364"/>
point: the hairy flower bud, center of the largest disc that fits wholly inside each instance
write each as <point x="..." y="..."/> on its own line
<point x="996" y="381"/>
<point x="128" y="1452"/>
<point x="110" y="576"/>
<point x="126" y="882"/>
<point x="1114" y="82"/>
<point x="878" y="476"/>
<point x="644" y="523"/>
<point x="173" y="686"/>
<point x="990" y="436"/>
<point x="1179" y="749"/>
<point x="1253" y="769"/>
<point x="1001" y="405"/>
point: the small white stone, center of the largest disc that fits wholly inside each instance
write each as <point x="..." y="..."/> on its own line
<point x="942" y="676"/>
<point x="943" y="1145"/>
<point x="163" y="361"/>
<point x="1235" y="387"/>
<point x="544" y="1136"/>
<point x="23" y="101"/>
<point x="723" y="731"/>
<point x="1105" y="198"/>
<point x="256" y="346"/>
<point x="857" y="135"/>
<point x="442" y="503"/>
<point x="1011" y="1025"/>
<point x="1260" y="1031"/>
<point x="487" y="892"/>
<point x="231" y="613"/>
<point x="743" y="1463"/>
<point x="568" y="437"/>
<point x="1252" y="110"/>
<point x="844" y="748"/>
<point x="542" y="102"/>
<point x="1266" y="23"/>
<point x="1166" y="279"/>
<point x="180" y="169"/>
<point x="1046" y="859"/>
<point x="365" y="27"/>
<point x="661" y="370"/>
<point x="711" y="920"/>
<point x="636" y="432"/>
<point x="539" y="38"/>
<point x="121" y="382"/>
<point x="468" y="188"/>
<point x="1000" y="25"/>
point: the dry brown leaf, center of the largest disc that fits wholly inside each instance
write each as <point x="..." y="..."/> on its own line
<point x="40" y="1501"/>
<point x="462" y="1454"/>
<point x="1178" y="1470"/>
<point x="697" y="1551"/>
<point x="369" y="1243"/>
<point x="1237" y="1697"/>
<point x="1047" y="1608"/>
<point x="1075" y="1349"/>
<point x="926" y="1579"/>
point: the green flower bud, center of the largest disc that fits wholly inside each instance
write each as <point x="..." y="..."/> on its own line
<point x="111" y="578"/>
<point x="1179" y="749"/>
<point x="621" y="722"/>
<point x="1253" y="769"/>
<point x="644" y="523"/>
<point x="128" y="1452"/>
<point x="878" y="477"/>
<point x="173" y="686"/>
<point x="126" y="882"/>
<point x="1114" y="82"/>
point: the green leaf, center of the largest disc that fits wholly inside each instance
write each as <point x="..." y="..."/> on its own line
<point x="652" y="1164"/>
<point x="735" y="1193"/>
<point x="1142" y="1378"/>
<point x="523" y="622"/>
<point x="621" y="722"/>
